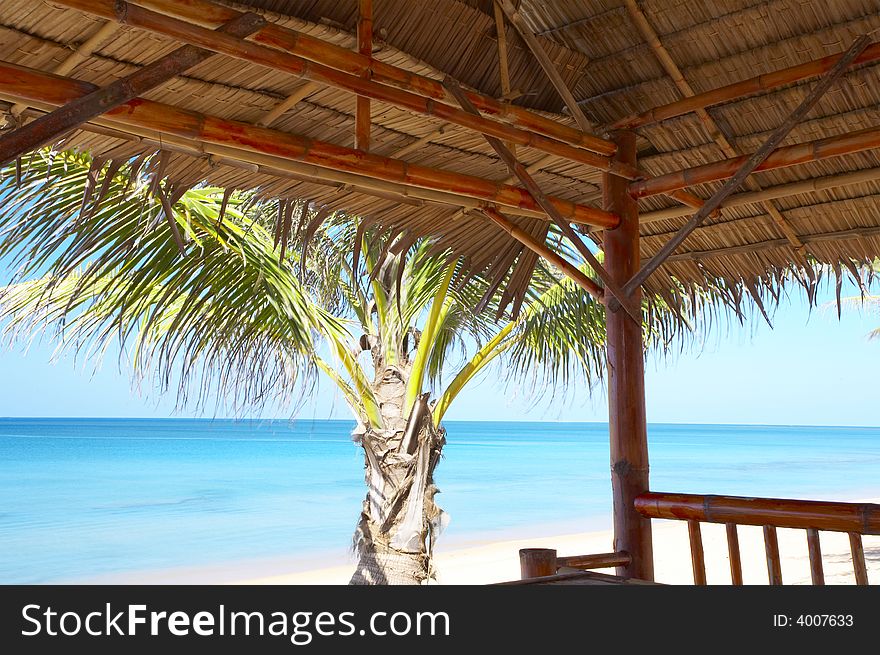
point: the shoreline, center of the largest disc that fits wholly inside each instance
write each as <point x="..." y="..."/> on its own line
<point x="488" y="558"/>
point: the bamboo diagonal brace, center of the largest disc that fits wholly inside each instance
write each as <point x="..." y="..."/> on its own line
<point x="51" y="126"/>
<point x="748" y="166"/>
<point x="543" y="201"/>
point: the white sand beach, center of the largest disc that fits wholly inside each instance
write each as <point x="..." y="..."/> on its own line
<point x="498" y="561"/>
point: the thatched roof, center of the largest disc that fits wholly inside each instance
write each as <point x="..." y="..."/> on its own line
<point x="610" y="67"/>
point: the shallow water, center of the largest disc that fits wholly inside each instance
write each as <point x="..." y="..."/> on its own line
<point x="85" y="497"/>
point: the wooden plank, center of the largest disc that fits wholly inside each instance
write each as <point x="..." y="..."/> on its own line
<point x="815" y="550"/>
<point x="747" y="167"/>
<point x="365" y="47"/>
<point x="736" y="573"/>
<point x="50" y="127"/>
<point x="29" y="85"/>
<point x="698" y="560"/>
<point x="546" y="63"/>
<point x="627" y="424"/>
<point x="858" y="556"/>
<point x="771" y="547"/>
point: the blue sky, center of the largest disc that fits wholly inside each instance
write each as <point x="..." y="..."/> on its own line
<point x="811" y="369"/>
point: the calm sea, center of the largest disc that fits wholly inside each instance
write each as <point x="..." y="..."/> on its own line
<point x="81" y="498"/>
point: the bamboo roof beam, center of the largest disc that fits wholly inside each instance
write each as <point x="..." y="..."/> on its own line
<point x="546" y="63"/>
<point x="650" y="35"/>
<point x="301" y="93"/>
<point x="136" y="16"/>
<point x="90" y="45"/>
<point x="801" y="153"/>
<point x="740" y="90"/>
<point x="50" y="127"/>
<point x="28" y="85"/>
<point x="751" y="163"/>
<point x="812" y="185"/>
<point x="211" y="14"/>
<point x="365" y="47"/>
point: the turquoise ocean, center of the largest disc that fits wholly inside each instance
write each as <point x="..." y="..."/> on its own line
<point x="85" y="498"/>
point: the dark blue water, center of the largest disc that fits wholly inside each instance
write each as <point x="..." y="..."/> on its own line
<point x="84" y="497"/>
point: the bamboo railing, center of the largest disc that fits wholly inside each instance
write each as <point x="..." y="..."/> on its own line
<point x="855" y="519"/>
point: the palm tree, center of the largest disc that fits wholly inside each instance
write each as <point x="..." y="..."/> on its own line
<point x="231" y="296"/>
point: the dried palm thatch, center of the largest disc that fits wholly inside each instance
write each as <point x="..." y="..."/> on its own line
<point x="619" y="59"/>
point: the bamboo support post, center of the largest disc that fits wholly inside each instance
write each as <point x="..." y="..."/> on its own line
<point x="50" y="127"/>
<point x="28" y="85"/>
<point x="747" y="167"/>
<point x="330" y="64"/>
<point x="537" y="562"/>
<point x="858" y="556"/>
<point x="626" y="380"/>
<point x="771" y="547"/>
<point x="733" y="553"/>
<point x="745" y="88"/>
<point x="815" y="550"/>
<point x="365" y="47"/>
<point x="698" y="560"/>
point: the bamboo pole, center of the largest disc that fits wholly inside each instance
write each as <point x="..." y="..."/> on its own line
<point x="739" y="90"/>
<point x="812" y="185"/>
<point x="815" y="550"/>
<point x="206" y="13"/>
<point x="29" y="85"/>
<point x="569" y="269"/>
<point x="747" y="248"/>
<point x="801" y="153"/>
<point x="280" y="167"/>
<point x="48" y="128"/>
<point x="365" y="47"/>
<point x="771" y="548"/>
<point x="503" y="69"/>
<point x="546" y="63"/>
<point x="597" y="561"/>
<point x="537" y="562"/>
<point x="698" y="560"/>
<point x="288" y="103"/>
<point x="544" y="202"/>
<point x="626" y="380"/>
<point x="79" y="55"/>
<point x="736" y="572"/>
<point x="858" y="557"/>
<point x="746" y="167"/>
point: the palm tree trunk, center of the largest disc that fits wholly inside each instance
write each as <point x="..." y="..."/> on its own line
<point x="400" y="520"/>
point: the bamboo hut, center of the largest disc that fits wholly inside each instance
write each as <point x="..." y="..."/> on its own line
<point x="704" y="146"/>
